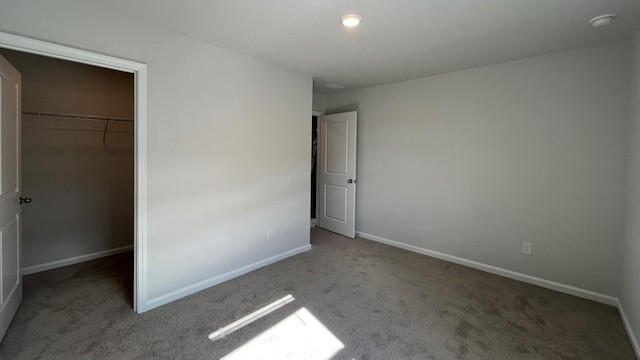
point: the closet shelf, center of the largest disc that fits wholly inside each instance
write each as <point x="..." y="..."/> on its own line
<point x="77" y="122"/>
<point x="75" y="116"/>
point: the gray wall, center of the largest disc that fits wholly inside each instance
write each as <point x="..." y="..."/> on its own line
<point x="630" y="297"/>
<point x="82" y="190"/>
<point x="59" y="86"/>
<point x="228" y="150"/>
<point x="473" y="163"/>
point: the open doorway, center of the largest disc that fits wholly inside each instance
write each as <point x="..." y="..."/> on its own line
<point x="139" y="70"/>
<point x="77" y="149"/>
<point x="314" y="166"/>
<point x="335" y="182"/>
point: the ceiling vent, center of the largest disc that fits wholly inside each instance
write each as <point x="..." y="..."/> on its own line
<point x="335" y="86"/>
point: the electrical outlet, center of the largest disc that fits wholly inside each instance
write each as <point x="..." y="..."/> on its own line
<point x="269" y="233"/>
<point x="526" y="248"/>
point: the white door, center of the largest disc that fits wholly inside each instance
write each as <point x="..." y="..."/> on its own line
<point x="10" y="232"/>
<point x="337" y="173"/>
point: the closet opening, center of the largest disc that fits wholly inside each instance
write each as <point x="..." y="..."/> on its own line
<point x="78" y="168"/>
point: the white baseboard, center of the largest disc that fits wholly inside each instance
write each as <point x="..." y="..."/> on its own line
<point x="567" y="289"/>
<point x="191" y="289"/>
<point x="74" y="260"/>
<point x="627" y="326"/>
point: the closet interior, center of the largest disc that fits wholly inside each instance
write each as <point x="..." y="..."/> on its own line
<point x="77" y="149"/>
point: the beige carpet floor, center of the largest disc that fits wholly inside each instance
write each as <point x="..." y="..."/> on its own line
<point x="345" y="299"/>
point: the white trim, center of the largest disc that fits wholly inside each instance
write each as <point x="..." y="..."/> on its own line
<point x="567" y="289"/>
<point x="628" y="329"/>
<point x="140" y="258"/>
<point x="191" y="289"/>
<point x="139" y="70"/>
<point x="317" y="113"/>
<point x="47" y="49"/>
<point x="74" y="260"/>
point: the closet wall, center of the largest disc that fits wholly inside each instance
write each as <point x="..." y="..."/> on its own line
<point x="82" y="187"/>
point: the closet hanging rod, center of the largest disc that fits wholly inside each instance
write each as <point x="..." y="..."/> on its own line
<point x="76" y="116"/>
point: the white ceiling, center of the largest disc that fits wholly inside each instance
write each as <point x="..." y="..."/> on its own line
<point x="398" y="39"/>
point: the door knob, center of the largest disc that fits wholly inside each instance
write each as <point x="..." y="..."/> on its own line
<point x="25" y="200"/>
<point x="351" y="181"/>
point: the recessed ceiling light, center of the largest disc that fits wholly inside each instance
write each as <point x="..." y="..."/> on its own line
<point x="602" y="20"/>
<point x="351" y="20"/>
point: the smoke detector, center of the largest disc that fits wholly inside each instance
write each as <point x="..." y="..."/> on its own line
<point x="602" y="20"/>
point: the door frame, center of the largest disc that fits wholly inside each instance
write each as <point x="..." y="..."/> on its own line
<point x="316" y="114"/>
<point x="139" y="70"/>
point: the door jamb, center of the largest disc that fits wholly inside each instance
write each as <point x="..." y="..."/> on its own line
<point x="317" y="114"/>
<point x="139" y="70"/>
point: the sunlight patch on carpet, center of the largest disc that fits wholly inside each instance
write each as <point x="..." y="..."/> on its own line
<point x="239" y="324"/>
<point x="298" y="336"/>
